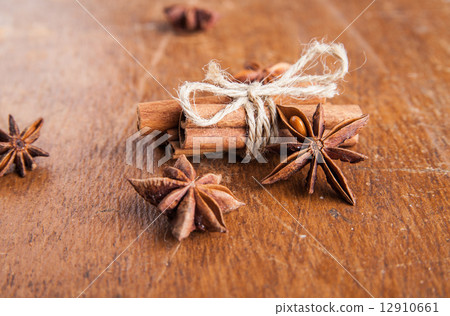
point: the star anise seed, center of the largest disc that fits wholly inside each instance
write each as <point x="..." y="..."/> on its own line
<point x="190" y="18"/>
<point x="17" y="147"/>
<point x="315" y="148"/>
<point x="191" y="203"/>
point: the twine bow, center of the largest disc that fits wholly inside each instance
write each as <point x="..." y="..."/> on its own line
<point x="255" y="97"/>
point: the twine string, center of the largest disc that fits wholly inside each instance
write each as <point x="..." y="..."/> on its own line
<point x="256" y="97"/>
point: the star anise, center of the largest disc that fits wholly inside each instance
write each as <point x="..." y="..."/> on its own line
<point x="190" y="203"/>
<point x="315" y="148"/>
<point x="17" y="147"/>
<point x="190" y="18"/>
<point x="254" y="72"/>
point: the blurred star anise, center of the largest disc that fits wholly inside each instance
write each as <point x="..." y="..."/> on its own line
<point x="190" y="18"/>
<point x="254" y="72"/>
<point x="190" y="203"/>
<point x="17" y="147"/>
<point x="315" y="148"/>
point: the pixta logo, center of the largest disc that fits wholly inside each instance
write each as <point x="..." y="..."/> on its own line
<point x="140" y="149"/>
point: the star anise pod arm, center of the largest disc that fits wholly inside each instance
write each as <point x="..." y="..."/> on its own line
<point x="318" y="148"/>
<point x="184" y="222"/>
<point x="17" y="147"/>
<point x="344" y="130"/>
<point x="336" y="179"/>
<point x="288" y="167"/>
<point x="190" y="202"/>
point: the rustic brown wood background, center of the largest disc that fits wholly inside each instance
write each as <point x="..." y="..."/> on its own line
<point x="63" y="224"/>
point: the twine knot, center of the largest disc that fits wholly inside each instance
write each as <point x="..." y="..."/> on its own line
<point x="252" y="90"/>
<point x="256" y="98"/>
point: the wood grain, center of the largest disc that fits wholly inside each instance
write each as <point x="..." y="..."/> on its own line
<point x="68" y="220"/>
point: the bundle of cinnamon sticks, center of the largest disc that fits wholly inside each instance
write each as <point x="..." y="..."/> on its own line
<point x="231" y="131"/>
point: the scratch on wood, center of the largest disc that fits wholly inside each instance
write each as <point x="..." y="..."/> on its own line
<point x="160" y="50"/>
<point x="107" y="211"/>
<point x="335" y="213"/>
<point x="338" y="16"/>
<point x="168" y="262"/>
<point x="289" y="228"/>
<point x="159" y="53"/>
<point x="426" y="170"/>
<point x="278" y="261"/>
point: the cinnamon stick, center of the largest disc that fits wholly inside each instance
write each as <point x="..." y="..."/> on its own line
<point x="227" y="137"/>
<point x="165" y="114"/>
<point x="334" y="114"/>
<point x="232" y="129"/>
<point x="178" y="151"/>
<point x="173" y="133"/>
<point x="209" y="137"/>
<point x="189" y="152"/>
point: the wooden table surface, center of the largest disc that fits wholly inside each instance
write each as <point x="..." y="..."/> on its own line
<point x="62" y="225"/>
